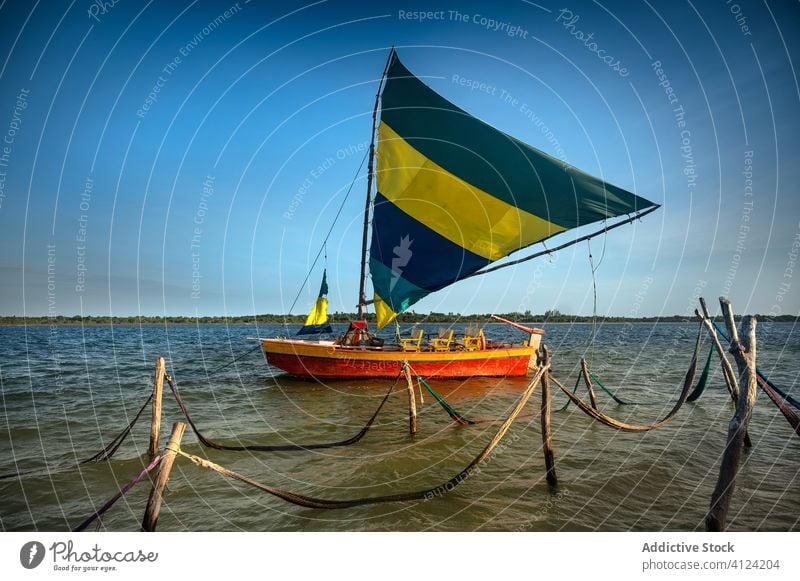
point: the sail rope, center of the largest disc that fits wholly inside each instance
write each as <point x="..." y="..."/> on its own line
<point x="590" y="339"/>
<point x="238" y="358"/>
<point x="276" y="447"/>
<point x="625" y="427"/>
<point x="328" y="235"/>
<point x="419" y="495"/>
<point x="594" y="268"/>
<point x="102" y="510"/>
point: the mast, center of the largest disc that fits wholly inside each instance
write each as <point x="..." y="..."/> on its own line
<point x="362" y="295"/>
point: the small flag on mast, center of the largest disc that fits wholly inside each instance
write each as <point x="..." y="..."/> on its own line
<point x="317" y="320"/>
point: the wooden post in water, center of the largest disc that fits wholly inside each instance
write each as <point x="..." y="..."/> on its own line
<point x="588" y="381"/>
<point x="733" y="386"/>
<point x="157" y="493"/>
<point x="547" y="444"/>
<point x="745" y="354"/>
<point x="412" y="403"/>
<point x="155" y="423"/>
<point x="741" y="364"/>
<point x="730" y="377"/>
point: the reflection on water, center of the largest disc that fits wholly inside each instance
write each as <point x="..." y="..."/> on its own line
<point x="67" y="391"/>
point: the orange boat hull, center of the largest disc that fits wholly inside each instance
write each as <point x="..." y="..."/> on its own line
<point x="324" y="360"/>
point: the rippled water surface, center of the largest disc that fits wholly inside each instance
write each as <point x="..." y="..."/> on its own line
<point x="67" y="391"/>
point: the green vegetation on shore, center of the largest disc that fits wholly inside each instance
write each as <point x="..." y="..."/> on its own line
<point x="344" y="318"/>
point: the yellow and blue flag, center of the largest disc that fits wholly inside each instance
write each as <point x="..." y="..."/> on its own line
<point x="317" y="320"/>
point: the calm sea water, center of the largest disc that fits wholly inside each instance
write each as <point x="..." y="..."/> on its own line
<point x="67" y="391"/>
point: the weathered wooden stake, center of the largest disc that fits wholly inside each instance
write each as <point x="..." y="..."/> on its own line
<point x="157" y="493"/>
<point x="547" y="444"/>
<point x="733" y="387"/>
<point x="412" y="404"/>
<point x="588" y="381"/>
<point x="745" y="355"/>
<point x="155" y="423"/>
<point x="727" y="312"/>
<point x="731" y="382"/>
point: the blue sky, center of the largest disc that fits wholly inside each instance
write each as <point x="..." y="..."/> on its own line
<point x="189" y="157"/>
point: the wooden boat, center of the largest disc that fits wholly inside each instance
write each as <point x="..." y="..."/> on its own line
<point x="453" y="196"/>
<point x="326" y="360"/>
<point x="472" y="356"/>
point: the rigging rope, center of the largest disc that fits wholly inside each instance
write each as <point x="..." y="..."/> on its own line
<point x="613" y="396"/>
<point x="427" y="494"/>
<point x="457" y="417"/>
<point x="330" y="230"/>
<point x="246" y="353"/>
<point x="445" y="406"/>
<point x="277" y="447"/>
<point x="605" y="389"/>
<point x="593" y="334"/>
<point x="574" y="389"/>
<point x="622" y="426"/>
<point x="99" y="512"/>
<point x="107" y="452"/>
<point x="103" y="455"/>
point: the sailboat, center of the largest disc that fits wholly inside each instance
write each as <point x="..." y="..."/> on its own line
<point x="454" y="195"/>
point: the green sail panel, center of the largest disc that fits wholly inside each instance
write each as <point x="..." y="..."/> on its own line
<point x="455" y="194"/>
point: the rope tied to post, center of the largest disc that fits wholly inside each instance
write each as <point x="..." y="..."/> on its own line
<point x="102" y="510"/>
<point x="103" y="455"/>
<point x="458" y="417"/>
<point x="606" y="420"/>
<point x="107" y="452"/>
<point x="420" y="495"/>
<point x="276" y="447"/>
<point x="764" y="380"/>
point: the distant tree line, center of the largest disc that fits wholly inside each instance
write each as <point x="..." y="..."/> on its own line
<point x="410" y="317"/>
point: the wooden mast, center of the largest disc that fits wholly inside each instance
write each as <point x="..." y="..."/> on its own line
<point x="362" y="295"/>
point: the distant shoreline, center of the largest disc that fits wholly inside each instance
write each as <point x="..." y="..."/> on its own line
<point x="345" y="318"/>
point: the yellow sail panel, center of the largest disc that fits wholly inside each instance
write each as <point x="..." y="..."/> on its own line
<point x="319" y="313"/>
<point x="475" y="220"/>
<point x="383" y="312"/>
<point x="317" y="320"/>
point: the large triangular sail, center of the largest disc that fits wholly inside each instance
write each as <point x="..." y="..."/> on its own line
<point x="455" y="194"/>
